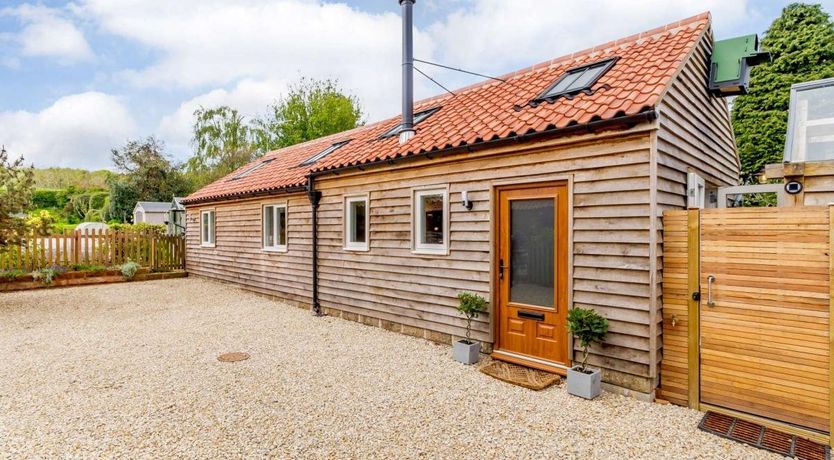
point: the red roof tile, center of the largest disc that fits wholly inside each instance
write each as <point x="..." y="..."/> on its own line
<point x="490" y="110"/>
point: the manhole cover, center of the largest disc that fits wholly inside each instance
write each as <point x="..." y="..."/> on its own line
<point x="233" y="357"/>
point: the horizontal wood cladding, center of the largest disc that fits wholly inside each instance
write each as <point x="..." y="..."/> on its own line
<point x="238" y="254"/>
<point x="610" y="233"/>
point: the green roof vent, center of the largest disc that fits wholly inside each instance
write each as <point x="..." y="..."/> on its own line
<point x="730" y="64"/>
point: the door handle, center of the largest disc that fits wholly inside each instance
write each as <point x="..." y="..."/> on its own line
<point x="710" y="280"/>
<point x="501" y="268"/>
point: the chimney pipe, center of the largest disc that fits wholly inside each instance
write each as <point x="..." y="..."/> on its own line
<point x="407" y="129"/>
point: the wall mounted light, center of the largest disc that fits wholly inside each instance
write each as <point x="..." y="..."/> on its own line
<point x="467" y="203"/>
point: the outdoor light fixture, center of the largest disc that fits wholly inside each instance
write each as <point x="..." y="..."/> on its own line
<point x="467" y="203"/>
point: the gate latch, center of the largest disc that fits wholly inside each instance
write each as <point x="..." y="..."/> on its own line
<point x="696" y="296"/>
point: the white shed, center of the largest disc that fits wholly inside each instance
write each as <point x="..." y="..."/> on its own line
<point x="151" y="212"/>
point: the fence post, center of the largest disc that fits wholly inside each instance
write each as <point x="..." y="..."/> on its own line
<point x="693" y="268"/>
<point x="153" y="252"/>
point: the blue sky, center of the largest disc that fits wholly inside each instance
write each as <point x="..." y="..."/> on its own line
<point x="81" y="77"/>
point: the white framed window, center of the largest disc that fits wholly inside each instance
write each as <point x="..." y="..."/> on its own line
<point x="275" y="227"/>
<point x="430" y="221"/>
<point x="207" y="223"/>
<point x="357" y="223"/>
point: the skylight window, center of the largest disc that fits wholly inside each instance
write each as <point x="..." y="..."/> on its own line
<point x="578" y="79"/>
<point x="323" y="153"/>
<point x="251" y="169"/>
<point x="418" y="117"/>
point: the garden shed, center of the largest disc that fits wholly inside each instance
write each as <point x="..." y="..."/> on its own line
<point x="541" y="190"/>
<point x="151" y="212"/>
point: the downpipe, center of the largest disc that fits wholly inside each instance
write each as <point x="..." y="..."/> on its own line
<point x="315" y="197"/>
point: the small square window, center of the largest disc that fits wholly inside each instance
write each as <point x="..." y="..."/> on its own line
<point x="811" y="122"/>
<point x="431" y="221"/>
<point x="357" y="223"/>
<point x="207" y="228"/>
<point x="275" y="227"/>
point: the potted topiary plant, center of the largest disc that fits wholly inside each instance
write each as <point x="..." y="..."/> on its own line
<point x="467" y="350"/>
<point x="588" y="327"/>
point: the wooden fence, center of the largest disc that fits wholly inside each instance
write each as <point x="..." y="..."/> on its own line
<point x="747" y="308"/>
<point x="96" y="247"/>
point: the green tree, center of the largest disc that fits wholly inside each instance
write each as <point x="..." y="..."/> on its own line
<point x="222" y="143"/>
<point x="147" y="174"/>
<point x="312" y="109"/>
<point x="801" y="42"/>
<point x="16" y="182"/>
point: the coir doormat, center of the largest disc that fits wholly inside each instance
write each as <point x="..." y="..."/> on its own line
<point x="533" y="379"/>
<point x="763" y="437"/>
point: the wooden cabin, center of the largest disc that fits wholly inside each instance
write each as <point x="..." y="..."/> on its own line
<point x="540" y="191"/>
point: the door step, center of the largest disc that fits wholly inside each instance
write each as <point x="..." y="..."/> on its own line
<point x="762" y="437"/>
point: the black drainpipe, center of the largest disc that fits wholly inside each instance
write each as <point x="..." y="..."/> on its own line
<point x="314" y="196"/>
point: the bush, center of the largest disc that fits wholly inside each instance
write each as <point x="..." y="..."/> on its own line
<point x="129" y="269"/>
<point x="471" y="305"/>
<point x="41" y="223"/>
<point x="589" y="327"/>
<point x="47" y="275"/>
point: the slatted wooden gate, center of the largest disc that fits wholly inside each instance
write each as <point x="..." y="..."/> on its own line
<point x="759" y="340"/>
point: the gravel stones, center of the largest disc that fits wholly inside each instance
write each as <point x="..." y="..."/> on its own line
<point x="131" y="370"/>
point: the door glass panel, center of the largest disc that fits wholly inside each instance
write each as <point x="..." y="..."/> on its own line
<point x="531" y="251"/>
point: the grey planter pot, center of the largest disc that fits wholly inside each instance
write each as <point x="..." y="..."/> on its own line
<point x="466" y="353"/>
<point x="587" y="386"/>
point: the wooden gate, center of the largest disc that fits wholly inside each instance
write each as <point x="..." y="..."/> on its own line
<point x="758" y="340"/>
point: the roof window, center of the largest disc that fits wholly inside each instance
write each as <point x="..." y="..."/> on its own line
<point x="578" y="79"/>
<point x="418" y="117"/>
<point x="323" y="153"/>
<point x="251" y="169"/>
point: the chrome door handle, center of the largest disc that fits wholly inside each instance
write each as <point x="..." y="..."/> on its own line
<point x="710" y="280"/>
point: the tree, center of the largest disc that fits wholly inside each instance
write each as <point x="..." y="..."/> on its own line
<point x="801" y="42"/>
<point x="16" y="182"/>
<point x="147" y="174"/>
<point x="222" y="143"/>
<point x="312" y="109"/>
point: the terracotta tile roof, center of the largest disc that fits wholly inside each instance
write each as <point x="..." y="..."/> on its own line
<point x="647" y="63"/>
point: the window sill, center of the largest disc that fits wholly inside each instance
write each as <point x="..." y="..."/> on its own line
<point x="275" y="250"/>
<point x="356" y="248"/>
<point x="206" y="245"/>
<point x="431" y="252"/>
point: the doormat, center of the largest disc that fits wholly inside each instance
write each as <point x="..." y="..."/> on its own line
<point x="233" y="357"/>
<point x="533" y="379"/>
<point x="763" y="438"/>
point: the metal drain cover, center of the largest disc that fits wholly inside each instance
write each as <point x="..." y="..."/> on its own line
<point x="233" y="357"/>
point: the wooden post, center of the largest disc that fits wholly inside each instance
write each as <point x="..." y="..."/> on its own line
<point x="694" y="285"/>
<point x="153" y="252"/>
<point x="831" y="325"/>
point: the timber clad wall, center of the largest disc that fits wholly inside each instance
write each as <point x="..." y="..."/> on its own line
<point x="611" y="215"/>
<point x="695" y="135"/>
<point x="238" y="256"/>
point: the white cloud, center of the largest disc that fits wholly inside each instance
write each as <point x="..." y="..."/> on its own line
<point x="48" y="33"/>
<point x="250" y="97"/>
<point x="208" y="44"/>
<point x="77" y="131"/>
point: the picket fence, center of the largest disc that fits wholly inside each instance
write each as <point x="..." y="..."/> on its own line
<point x="148" y="248"/>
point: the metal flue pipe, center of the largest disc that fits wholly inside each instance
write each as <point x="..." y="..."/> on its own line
<point x="407" y="127"/>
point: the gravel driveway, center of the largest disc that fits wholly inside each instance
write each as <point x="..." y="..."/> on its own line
<point x="131" y="370"/>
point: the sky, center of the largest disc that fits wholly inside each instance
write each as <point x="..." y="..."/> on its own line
<point x="80" y="78"/>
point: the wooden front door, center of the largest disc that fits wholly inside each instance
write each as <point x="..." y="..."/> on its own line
<point x="531" y="275"/>
<point x="765" y="313"/>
